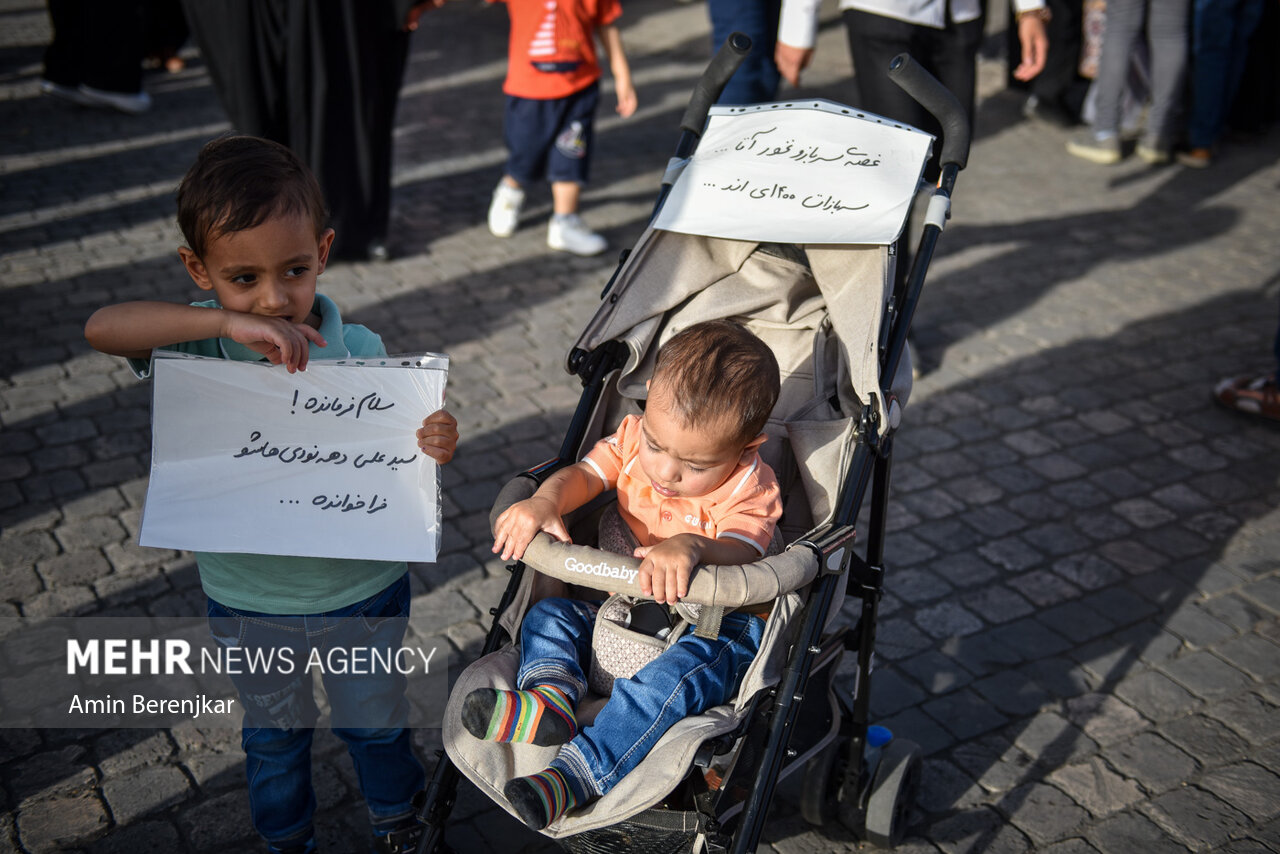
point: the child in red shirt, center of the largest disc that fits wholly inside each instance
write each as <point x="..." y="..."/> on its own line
<point x="552" y="89"/>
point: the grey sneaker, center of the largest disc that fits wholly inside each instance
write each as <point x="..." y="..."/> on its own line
<point x="65" y="93"/>
<point x="1087" y="145"/>
<point x="125" y="102"/>
<point x="567" y="232"/>
<point x="504" y="210"/>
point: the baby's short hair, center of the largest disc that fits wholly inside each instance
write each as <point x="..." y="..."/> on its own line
<point x="718" y="370"/>
<point x="237" y="183"/>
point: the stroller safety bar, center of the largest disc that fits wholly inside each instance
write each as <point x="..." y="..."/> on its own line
<point x="726" y="586"/>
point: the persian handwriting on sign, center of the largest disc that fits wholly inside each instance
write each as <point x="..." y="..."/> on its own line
<point x="761" y="145"/>
<point x="300" y="454"/>
<point x="814" y="201"/>
<point x="371" y="402"/>
<point x="344" y="503"/>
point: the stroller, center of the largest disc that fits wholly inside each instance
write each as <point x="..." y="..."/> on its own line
<point x="836" y="317"/>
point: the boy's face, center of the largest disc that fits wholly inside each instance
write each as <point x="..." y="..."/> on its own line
<point x="269" y="269"/>
<point x="687" y="461"/>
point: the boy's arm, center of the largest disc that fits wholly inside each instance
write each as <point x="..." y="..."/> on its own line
<point x="612" y="41"/>
<point x="568" y="489"/>
<point x="666" y="569"/>
<point x="134" y="329"/>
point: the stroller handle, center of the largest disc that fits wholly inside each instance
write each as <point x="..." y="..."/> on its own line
<point x="713" y="80"/>
<point x="912" y="78"/>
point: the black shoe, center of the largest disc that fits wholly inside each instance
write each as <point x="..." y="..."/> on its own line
<point x="402" y="840"/>
<point x="1049" y="112"/>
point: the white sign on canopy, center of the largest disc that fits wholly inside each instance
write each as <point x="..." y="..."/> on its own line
<point x="805" y="172"/>
<point x="247" y="457"/>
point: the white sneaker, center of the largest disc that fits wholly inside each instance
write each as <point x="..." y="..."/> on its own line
<point x="567" y="232"/>
<point x="66" y="93"/>
<point x="138" y="102"/>
<point x="504" y="210"/>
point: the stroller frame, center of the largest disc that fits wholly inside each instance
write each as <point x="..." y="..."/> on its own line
<point x="778" y="731"/>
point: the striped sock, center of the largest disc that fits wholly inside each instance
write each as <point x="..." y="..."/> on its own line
<point x="541" y="715"/>
<point x="540" y="798"/>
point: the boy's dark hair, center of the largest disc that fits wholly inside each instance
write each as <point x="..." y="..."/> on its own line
<point x="237" y="183"/>
<point x="717" y="370"/>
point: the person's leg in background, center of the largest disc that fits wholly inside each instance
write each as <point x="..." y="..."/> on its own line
<point x="1057" y="92"/>
<point x="1221" y="30"/>
<point x="95" y="58"/>
<point x="1101" y="143"/>
<point x="1168" y="46"/>
<point x="757" y="78"/>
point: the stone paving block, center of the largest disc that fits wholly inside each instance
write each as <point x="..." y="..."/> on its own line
<point x="57" y="823"/>
<point x="1050" y="738"/>
<point x="1075" y="621"/>
<point x="1242" y="614"/>
<point x="1265" y="592"/>
<point x="1095" y="786"/>
<point x="120" y="750"/>
<point x="890" y="692"/>
<point x="916" y="586"/>
<point x="1196" y="627"/>
<point x="1152" y="761"/>
<point x="147" y="790"/>
<point x="997" y="604"/>
<point x="1043" y="588"/>
<point x="1087" y="571"/>
<point x="1011" y="554"/>
<point x="1206" y="675"/>
<point x="1196" y="818"/>
<point x="148" y="837"/>
<point x="964" y="713"/>
<point x="938" y="673"/>
<point x="896" y="638"/>
<point x="1013" y="693"/>
<point x="1248" y="787"/>
<point x="1256" y="656"/>
<point x="1156" y="696"/>
<point x="975" y="830"/>
<point x="1128" y="832"/>
<point x="1103" y="718"/>
<point x="944" y="787"/>
<point x="220" y="823"/>
<point x="964" y="569"/>
<point x="1042" y="812"/>
<point x="947" y="620"/>
<point x="1133" y="557"/>
<point x="913" y="724"/>
<point x="1249" y="715"/>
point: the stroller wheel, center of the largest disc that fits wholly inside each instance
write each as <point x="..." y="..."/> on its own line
<point x="823" y="786"/>
<point x="893" y="791"/>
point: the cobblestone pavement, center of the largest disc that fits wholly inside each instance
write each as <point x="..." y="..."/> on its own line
<point x="1080" y="625"/>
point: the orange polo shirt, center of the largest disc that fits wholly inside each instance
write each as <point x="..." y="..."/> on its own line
<point x="551" y="50"/>
<point x="745" y="507"/>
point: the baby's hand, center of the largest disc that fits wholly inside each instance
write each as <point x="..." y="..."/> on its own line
<point x="281" y="341"/>
<point x="438" y="436"/>
<point x="520" y="522"/>
<point x="665" y="572"/>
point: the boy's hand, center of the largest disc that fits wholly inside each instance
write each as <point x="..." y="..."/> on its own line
<point x="520" y="522"/>
<point x="665" y="572"/>
<point x="281" y="341"/>
<point x="626" y="98"/>
<point x="438" y="436"/>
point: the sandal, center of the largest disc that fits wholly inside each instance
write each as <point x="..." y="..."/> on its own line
<point x="1254" y="395"/>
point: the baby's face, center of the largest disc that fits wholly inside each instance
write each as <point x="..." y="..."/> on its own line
<point x="682" y="460"/>
<point x="269" y="269"/>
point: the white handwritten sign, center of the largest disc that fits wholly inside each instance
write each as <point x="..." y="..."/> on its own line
<point x="323" y="463"/>
<point x="811" y="172"/>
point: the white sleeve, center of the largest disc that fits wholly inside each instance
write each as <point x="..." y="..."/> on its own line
<point x="798" y="22"/>
<point x="1027" y="5"/>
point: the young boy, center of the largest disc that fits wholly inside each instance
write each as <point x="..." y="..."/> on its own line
<point x="254" y="220"/>
<point x="552" y="88"/>
<point x="692" y="489"/>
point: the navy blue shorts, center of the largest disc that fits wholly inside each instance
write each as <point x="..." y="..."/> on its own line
<point x="551" y="139"/>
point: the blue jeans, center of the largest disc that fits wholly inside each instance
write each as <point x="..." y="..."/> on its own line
<point x="280" y="710"/>
<point x="1220" y="45"/>
<point x="687" y="679"/>
<point x="757" y="77"/>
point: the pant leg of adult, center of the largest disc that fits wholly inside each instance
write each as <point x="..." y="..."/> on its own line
<point x="1212" y="29"/>
<point x="1169" y="46"/>
<point x="113" y="43"/>
<point x="951" y="55"/>
<point x="874" y="40"/>
<point x="757" y="78"/>
<point x="1124" y="24"/>
<point x="242" y="44"/>
<point x="63" y="59"/>
<point x="1054" y="84"/>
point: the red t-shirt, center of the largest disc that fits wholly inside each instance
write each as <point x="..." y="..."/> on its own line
<point x="551" y="50"/>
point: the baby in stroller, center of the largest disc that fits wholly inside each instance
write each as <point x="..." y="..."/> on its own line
<point x="691" y="490"/>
